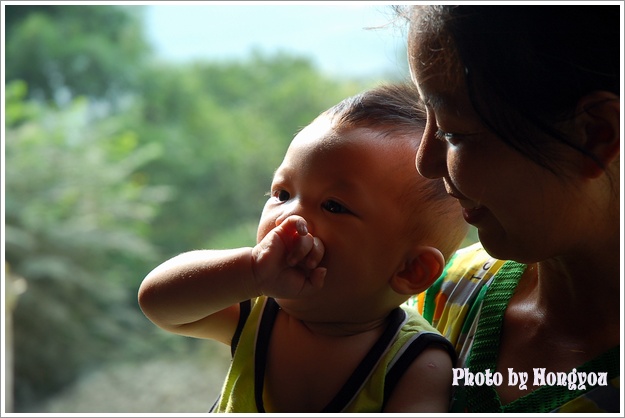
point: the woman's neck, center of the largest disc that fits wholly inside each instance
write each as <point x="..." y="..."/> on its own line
<point x="577" y="294"/>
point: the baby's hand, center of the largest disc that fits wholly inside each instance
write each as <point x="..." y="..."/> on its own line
<point x="286" y="262"/>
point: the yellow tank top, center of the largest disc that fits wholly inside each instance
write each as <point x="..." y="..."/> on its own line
<point x="406" y="335"/>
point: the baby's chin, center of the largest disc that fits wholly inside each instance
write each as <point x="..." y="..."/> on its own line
<point x="323" y="320"/>
<point x="309" y="310"/>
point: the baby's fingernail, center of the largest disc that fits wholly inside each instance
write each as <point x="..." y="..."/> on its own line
<point x="301" y="227"/>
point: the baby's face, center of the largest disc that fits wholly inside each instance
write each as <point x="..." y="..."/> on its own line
<point x="349" y="188"/>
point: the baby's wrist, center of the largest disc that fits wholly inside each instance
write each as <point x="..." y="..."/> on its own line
<point x="253" y="283"/>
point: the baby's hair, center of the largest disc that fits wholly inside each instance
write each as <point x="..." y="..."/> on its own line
<point x="389" y="108"/>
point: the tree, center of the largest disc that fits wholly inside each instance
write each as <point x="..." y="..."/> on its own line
<point x="74" y="217"/>
<point x="224" y="128"/>
<point x="67" y="51"/>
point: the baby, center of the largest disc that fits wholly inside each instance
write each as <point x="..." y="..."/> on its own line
<point x="315" y="313"/>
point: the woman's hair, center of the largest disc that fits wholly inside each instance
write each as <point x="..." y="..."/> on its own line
<point x="525" y="67"/>
<point x="396" y="112"/>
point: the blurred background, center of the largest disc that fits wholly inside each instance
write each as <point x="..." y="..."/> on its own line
<point x="136" y="132"/>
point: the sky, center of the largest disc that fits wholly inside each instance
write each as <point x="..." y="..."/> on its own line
<point x="333" y="34"/>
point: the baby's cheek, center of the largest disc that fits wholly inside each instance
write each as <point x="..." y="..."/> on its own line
<point x="264" y="227"/>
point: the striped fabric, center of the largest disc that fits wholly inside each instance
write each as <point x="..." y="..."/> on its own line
<point x="453" y="304"/>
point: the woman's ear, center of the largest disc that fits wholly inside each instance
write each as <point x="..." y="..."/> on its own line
<point x="599" y="115"/>
<point x="423" y="267"/>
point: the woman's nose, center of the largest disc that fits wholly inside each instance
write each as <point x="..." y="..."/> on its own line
<point x="431" y="155"/>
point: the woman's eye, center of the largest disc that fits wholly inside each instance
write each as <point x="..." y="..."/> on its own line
<point x="282" y="195"/>
<point x="445" y="136"/>
<point x="454" y="138"/>
<point x="334" y="207"/>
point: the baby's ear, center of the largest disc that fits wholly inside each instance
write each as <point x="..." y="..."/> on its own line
<point x="423" y="267"/>
<point x="599" y="114"/>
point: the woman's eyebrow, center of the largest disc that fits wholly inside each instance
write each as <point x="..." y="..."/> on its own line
<point x="436" y="101"/>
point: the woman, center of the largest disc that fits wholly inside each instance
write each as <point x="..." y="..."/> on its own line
<point x="523" y="125"/>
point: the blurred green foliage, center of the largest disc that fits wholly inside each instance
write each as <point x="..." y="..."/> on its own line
<point x="224" y="129"/>
<point x="75" y="50"/>
<point x="74" y="216"/>
<point x="113" y="163"/>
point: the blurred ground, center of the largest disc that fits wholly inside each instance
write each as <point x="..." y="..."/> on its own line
<point x="163" y="385"/>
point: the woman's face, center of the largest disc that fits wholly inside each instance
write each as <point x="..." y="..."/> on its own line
<point x="522" y="211"/>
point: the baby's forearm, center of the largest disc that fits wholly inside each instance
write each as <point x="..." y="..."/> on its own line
<point x="195" y="285"/>
<point x="197" y="293"/>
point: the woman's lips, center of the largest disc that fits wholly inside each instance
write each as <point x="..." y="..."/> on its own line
<point x="474" y="215"/>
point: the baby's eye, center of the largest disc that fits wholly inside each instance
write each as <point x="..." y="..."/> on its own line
<point x="281" y="195"/>
<point x="334" y="207"/>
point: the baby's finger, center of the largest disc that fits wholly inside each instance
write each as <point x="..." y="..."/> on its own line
<point x="316" y="254"/>
<point x="292" y="226"/>
<point x="317" y="277"/>
<point x="301" y="227"/>
<point x="301" y="247"/>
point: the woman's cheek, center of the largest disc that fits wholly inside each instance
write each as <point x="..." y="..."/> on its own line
<point x="470" y="172"/>
<point x="459" y="173"/>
